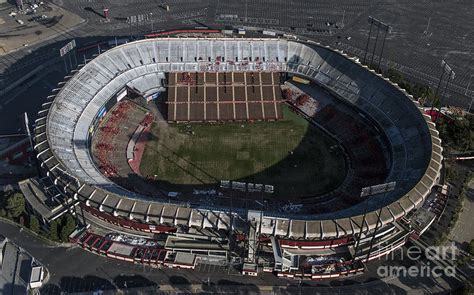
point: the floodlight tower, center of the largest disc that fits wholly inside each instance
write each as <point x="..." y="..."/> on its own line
<point x="368" y="38"/>
<point x="451" y="76"/>
<point x="381" y="26"/>
<point x="446" y="70"/>
<point x="367" y="192"/>
<point x="151" y="20"/>
<point x="387" y="30"/>
<point x="465" y="93"/>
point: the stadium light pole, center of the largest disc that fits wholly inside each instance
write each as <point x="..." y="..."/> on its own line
<point x="388" y="30"/>
<point x="368" y="38"/>
<point x="377" y="189"/>
<point x="451" y="77"/>
<point x="246" y="11"/>
<point x="465" y="93"/>
<point x="129" y="21"/>
<point x="151" y="20"/>
<point x="443" y="65"/>
<point x="446" y="70"/>
<point x="376" y="228"/>
<point x="468" y="84"/>
<point x="343" y="15"/>
<point x="426" y="32"/>
<point x="380" y="26"/>
<point x="361" y="229"/>
<point x="368" y="192"/>
<point x="375" y="46"/>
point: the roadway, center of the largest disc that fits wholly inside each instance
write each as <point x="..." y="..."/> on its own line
<point x="73" y="269"/>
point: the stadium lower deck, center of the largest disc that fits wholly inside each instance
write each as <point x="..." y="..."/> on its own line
<point x="233" y="96"/>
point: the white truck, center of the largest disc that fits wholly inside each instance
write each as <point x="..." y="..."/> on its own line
<point x="269" y="33"/>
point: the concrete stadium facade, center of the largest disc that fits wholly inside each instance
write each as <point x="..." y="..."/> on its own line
<point x="63" y="130"/>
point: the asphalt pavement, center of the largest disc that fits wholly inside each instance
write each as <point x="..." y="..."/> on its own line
<point x="73" y="269"/>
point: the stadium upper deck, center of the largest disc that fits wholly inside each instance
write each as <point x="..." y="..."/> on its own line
<point x="65" y="124"/>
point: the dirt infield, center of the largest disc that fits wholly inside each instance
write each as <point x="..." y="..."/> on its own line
<point x="199" y="97"/>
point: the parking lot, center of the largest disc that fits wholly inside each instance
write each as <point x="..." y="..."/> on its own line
<point x="33" y="24"/>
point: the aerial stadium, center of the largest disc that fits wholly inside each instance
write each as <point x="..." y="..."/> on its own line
<point x="256" y="149"/>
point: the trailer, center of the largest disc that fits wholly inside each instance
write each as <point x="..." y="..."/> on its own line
<point x="269" y="33"/>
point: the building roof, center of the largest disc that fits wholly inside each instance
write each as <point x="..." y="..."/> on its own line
<point x="15" y="270"/>
<point x="185" y="258"/>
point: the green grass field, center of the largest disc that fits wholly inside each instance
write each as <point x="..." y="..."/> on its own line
<point x="290" y="154"/>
